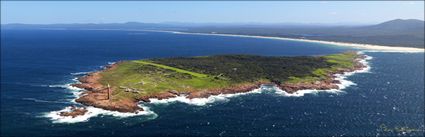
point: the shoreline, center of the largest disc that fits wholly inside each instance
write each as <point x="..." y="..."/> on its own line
<point x="341" y="77"/>
<point x="94" y="93"/>
<point x="330" y="82"/>
<point x="367" y="47"/>
<point x="361" y="46"/>
<point x="97" y="95"/>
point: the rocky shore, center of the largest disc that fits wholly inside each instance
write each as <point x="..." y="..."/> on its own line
<point x="328" y="83"/>
<point x="241" y="88"/>
<point x="74" y="112"/>
<point x="98" y="95"/>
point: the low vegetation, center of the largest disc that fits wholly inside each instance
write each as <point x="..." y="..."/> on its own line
<point x="182" y="74"/>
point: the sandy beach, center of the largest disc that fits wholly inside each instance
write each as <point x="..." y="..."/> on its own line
<point x="365" y="47"/>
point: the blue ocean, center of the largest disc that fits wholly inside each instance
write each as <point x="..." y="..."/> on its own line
<point x="38" y="65"/>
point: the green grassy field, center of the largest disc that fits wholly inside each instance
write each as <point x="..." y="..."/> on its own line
<point x="199" y="75"/>
<point x="145" y="77"/>
<point x="338" y="61"/>
<point x="148" y="78"/>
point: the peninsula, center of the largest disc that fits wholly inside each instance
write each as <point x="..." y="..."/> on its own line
<point x="120" y="86"/>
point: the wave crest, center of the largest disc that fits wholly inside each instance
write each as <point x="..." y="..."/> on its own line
<point x="344" y="83"/>
<point x="204" y="101"/>
<point x="93" y="112"/>
<point x="80" y="73"/>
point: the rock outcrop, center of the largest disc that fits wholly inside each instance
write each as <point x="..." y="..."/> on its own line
<point x="98" y="95"/>
<point x="328" y="83"/>
<point x="74" y="112"/>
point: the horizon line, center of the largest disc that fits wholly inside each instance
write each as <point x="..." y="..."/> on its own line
<point x="217" y="23"/>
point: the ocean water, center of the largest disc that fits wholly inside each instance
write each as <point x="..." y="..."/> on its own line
<point x="37" y="65"/>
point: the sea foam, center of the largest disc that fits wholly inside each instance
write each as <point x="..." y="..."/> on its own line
<point x="74" y="90"/>
<point x="93" y="112"/>
<point x="342" y="78"/>
<point x="204" y="101"/>
<point x="80" y="73"/>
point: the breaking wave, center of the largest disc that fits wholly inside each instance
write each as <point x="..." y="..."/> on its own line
<point x="65" y="86"/>
<point x="93" y="112"/>
<point x="80" y="73"/>
<point x="344" y="83"/>
<point x="204" y="101"/>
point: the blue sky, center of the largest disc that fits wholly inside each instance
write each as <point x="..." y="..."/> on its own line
<point x="334" y="12"/>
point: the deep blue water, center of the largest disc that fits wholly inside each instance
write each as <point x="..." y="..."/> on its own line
<point x="392" y="95"/>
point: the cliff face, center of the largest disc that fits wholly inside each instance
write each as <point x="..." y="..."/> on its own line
<point x="241" y="88"/>
<point x="228" y="90"/>
<point x="106" y="97"/>
<point x="328" y="83"/>
<point x="97" y="95"/>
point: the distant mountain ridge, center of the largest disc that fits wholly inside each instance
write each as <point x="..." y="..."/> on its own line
<point x="410" y="26"/>
<point x="398" y="32"/>
<point x="400" y="23"/>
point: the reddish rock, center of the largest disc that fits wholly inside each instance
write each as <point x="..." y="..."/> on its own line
<point x="326" y="84"/>
<point x="174" y="92"/>
<point x="336" y="81"/>
<point x="229" y="90"/>
<point x="97" y="95"/>
<point x="144" y="99"/>
<point x="74" y="112"/>
<point x="164" y="95"/>
<point x="83" y="86"/>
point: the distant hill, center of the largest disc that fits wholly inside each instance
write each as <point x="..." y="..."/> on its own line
<point x="405" y="33"/>
<point x="398" y="32"/>
<point x="394" y="27"/>
<point x="399" y="24"/>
